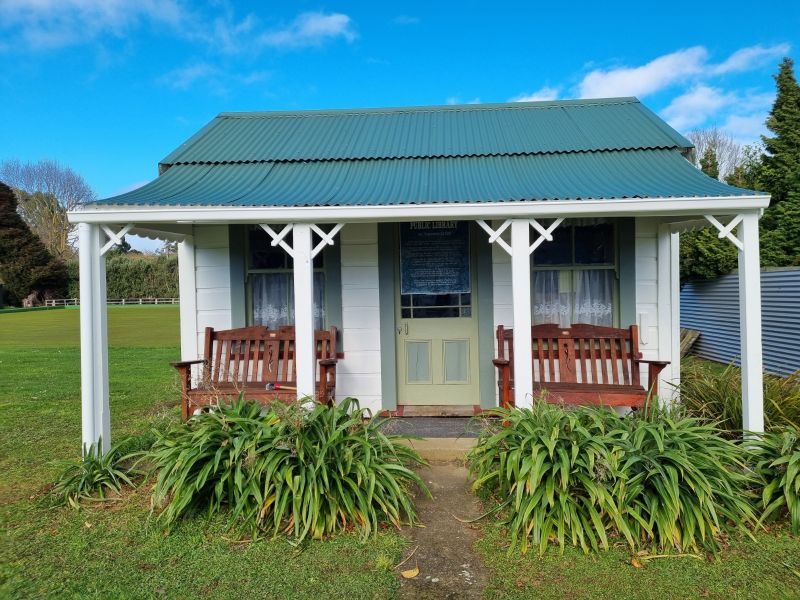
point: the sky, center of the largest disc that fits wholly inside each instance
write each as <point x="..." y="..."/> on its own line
<point x="109" y="87"/>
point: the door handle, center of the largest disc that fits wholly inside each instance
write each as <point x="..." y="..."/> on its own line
<point x="402" y="329"/>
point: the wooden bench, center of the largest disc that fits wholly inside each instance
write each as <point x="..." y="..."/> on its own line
<point x="257" y="361"/>
<point x="582" y="364"/>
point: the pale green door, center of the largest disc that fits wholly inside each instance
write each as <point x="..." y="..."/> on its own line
<point x="436" y="320"/>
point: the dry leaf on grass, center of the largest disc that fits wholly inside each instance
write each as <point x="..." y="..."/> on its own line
<point x="410" y="573"/>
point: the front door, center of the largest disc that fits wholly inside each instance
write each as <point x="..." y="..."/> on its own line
<point x="436" y="321"/>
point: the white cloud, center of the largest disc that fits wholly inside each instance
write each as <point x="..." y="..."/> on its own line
<point x="456" y="100"/>
<point x="745" y="129"/>
<point x="544" y="93"/>
<point x="751" y="57"/>
<point x="696" y="106"/>
<point x="183" y="78"/>
<point x="646" y="79"/>
<point x="49" y="24"/>
<point x="311" y="29"/>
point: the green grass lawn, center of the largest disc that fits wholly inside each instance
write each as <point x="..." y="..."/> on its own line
<point x="743" y="569"/>
<point x="115" y="551"/>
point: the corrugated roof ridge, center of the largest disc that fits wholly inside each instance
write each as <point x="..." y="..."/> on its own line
<point x="421" y="156"/>
<point x="333" y="112"/>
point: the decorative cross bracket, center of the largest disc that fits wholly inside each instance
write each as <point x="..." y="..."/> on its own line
<point x="114" y="239"/>
<point x="279" y="237"/>
<point x="726" y="231"/>
<point x="326" y="239"/>
<point x="494" y="235"/>
<point x="545" y="233"/>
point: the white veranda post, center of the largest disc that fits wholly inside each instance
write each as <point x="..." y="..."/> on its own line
<point x="96" y="421"/>
<point x="304" y="310"/>
<point x="520" y="251"/>
<point x="303" y="250"/>
<point x="746" y="240"/>
<point x="521" y="293"/>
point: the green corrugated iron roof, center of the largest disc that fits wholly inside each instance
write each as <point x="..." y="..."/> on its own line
<point x="579" y="149"/>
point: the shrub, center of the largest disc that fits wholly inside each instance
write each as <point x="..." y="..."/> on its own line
<point x="717" y="397"/>
<point x="299" y="470"/>
<point x="578" y="474"/>
<point x="134" y="276"/>
<point x="556" y="469"/>
<point x="683" y="484"/>
<point x="778" y="464"/>
<point x="90" y="477"/>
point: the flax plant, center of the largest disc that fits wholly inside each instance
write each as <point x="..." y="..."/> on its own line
<point x="305" y="472"/>
<point x="555" y="471"/>
<point x="778" y="465"/>
<point x="684" y="484"/>
<point x="90" y="478"/>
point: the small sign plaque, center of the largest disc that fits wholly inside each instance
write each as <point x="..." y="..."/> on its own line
<point x="434" y="257"/>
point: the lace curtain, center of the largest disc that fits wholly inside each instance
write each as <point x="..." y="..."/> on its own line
<point x="567" y="297"/>
<point x="273" y="299"/>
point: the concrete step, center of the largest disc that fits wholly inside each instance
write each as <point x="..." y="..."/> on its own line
<point x="442" y="449"/>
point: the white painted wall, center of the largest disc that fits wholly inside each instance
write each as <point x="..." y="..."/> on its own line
<point x="212" y="280"/>
<point x="655" y="278"/>
<point x="359" y="374"/>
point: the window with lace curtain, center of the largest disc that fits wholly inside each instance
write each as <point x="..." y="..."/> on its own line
<point x="270" y="282"/>
<point x="575" y="276"/>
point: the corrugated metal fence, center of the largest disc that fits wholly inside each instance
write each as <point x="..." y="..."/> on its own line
<point x="712" y="308"/>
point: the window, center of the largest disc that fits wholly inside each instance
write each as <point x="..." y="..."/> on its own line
<point x="271" y="282"/>
<point x="574" y="276"/>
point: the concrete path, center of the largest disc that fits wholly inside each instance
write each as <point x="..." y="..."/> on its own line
<point x="448" y="566"/>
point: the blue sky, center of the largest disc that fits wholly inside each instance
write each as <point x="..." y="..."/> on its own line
<point x="109" y="87"/>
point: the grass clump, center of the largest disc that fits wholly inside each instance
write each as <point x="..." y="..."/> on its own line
<point x="90" y="478"/>
<point x="778" y="465"/>
<point x="579" y="475"/>
<point x="716" y="396"/>
<point x="306" y="472"/>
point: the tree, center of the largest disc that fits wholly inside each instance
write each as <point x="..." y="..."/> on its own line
<point x="25" y="264"/>
<point x="781" y="173"/>
<point x="45" y="192"/>
<point x="727" y="151"/>
<point x="709" y="163"/>
<point x="747" y="173"/>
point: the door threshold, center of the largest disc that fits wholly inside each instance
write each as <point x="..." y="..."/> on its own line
<point x="434" y="410"/>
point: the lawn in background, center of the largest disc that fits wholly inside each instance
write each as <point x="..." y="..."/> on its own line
<point x="116" y="551"/>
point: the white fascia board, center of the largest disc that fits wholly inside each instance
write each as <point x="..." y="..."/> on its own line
<point x="628" y="207"/>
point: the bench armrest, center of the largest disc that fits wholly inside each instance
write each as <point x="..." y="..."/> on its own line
<point x="328" y="362"/>
<point x="500" y="362"/>
<point x="186" y="363"/>
<point x="654" y="368"/>
<point x="661" y="363"/>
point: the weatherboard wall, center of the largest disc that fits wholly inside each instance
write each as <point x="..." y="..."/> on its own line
<point x="212" y="279"/>
<point x="359" y="374"/>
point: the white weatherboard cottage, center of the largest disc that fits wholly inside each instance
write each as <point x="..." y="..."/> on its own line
<point x="416" y="232"/>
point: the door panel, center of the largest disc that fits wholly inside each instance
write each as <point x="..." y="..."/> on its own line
<point x="437" y="334"/>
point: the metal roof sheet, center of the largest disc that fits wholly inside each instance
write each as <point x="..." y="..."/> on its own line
<point x="587" y="175"/>
<point x="426" y="132"/>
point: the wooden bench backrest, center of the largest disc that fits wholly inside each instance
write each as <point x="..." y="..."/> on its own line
<point x="258" y="355"/>
<point x="578" y="354"/>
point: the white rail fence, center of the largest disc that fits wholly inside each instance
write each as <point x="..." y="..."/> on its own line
<point x="120" y="301"/>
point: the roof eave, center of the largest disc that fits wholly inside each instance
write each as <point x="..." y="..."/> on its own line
<point x="616" y="207"/>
